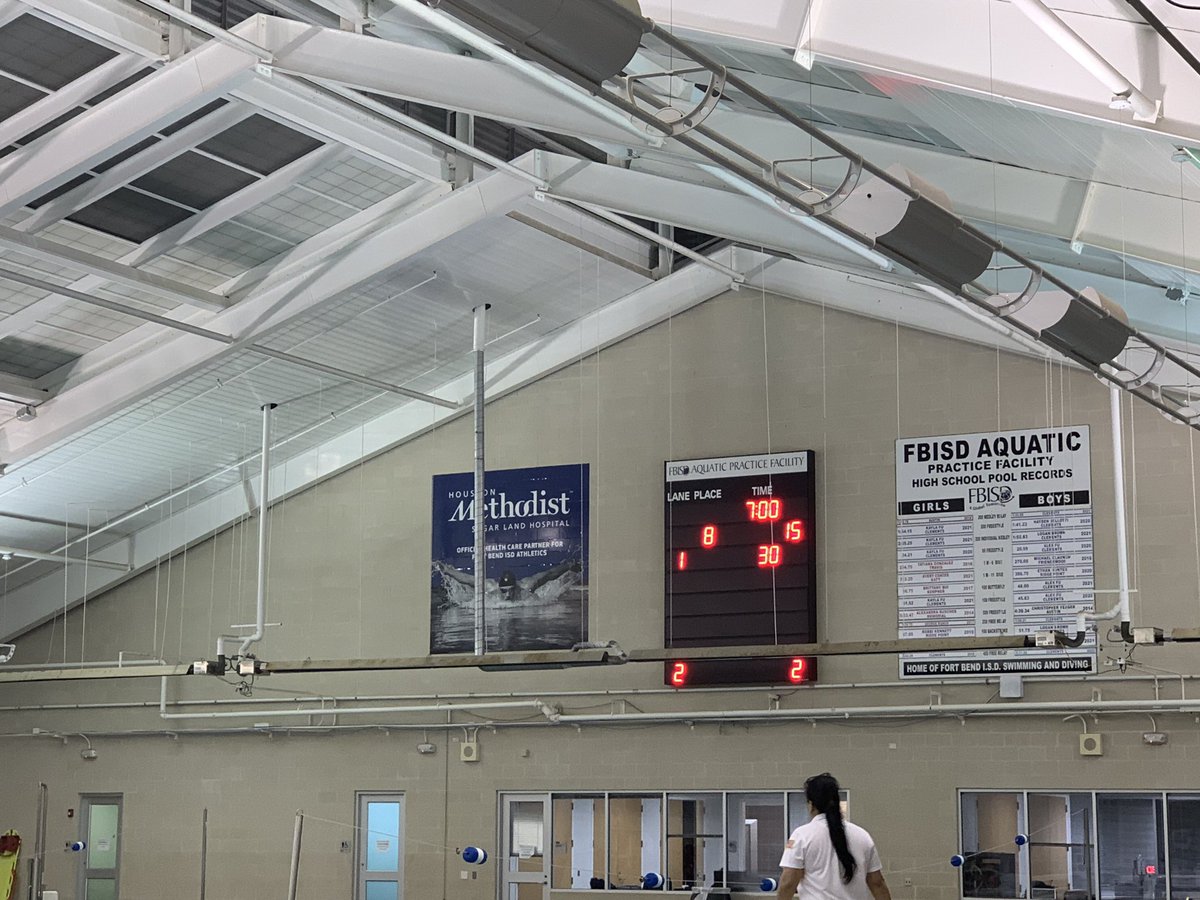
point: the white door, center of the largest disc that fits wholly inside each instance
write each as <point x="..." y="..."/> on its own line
<point x="524" y="861"/>
<point x="380" y="847"/>
<point x="100" y="829"/>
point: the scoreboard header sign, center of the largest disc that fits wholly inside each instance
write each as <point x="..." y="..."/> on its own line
<point x="740" y="564"/>
<point x="994" y="536"/>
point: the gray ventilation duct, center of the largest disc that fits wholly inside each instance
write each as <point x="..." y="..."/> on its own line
<point x="1096" y="334"/>
<point x="583" y="39"/>
<point x="922" y="228"/>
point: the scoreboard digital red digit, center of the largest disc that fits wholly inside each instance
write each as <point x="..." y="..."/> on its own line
<point x="740" y="561"/>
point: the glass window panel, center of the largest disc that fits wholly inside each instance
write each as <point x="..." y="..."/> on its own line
<point x="526" y="826"/>
<point x="756" y="830"/>
<point x="1061" y="837"/>
<point x="990" y="822"/>
<point x="1131" y="846"/>
<point x="1183" y="828"/>
<point x="695" y="840"/>
<point x="383" y="837"/>
<point x="578" y="825"/>
<point x="101" y="889"/>
<point x="634" y="839"/>
<point x="382" y="890"/>
<point x="102" y="836"/>
<point x="798" y="809"/>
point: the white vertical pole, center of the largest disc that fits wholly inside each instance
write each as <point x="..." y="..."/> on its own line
<point x="479" y="504"/>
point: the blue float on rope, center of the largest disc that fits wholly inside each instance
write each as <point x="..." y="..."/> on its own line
<point x="957" y="860"/>
<point x="475" y="856"/>
<point x="77" y="846"/>
<point x="1021" y="840"/>
<point x="652" y="880"/>
<point x="768" y="884"/>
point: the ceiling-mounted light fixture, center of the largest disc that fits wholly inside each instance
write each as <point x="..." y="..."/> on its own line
<point x="27" y="413"/>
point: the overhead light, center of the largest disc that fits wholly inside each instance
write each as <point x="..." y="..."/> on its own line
<point x="27" y="413"/>
<point x="1120" y="102"/>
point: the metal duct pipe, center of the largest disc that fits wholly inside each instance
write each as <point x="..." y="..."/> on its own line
<point x="1096" y="331"/>
<point x="917" y="224"/>
<point x="581" y="39"/>
<point x="260" y="618"/>
<point x="479" y="502"/>
<point x="1125" y="95"/>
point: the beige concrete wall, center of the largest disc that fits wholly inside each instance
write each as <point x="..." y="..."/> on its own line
<point x="349" y="578"/>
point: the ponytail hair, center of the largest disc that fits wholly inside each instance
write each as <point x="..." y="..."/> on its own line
<point x="823" y="793"/>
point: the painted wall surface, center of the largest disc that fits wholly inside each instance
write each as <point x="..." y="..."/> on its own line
<point x="349" y="576"/>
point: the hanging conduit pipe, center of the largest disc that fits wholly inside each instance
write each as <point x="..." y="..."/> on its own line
<point x="260" y="616"/>
<point x="1121" y="609"/>
<point x="294" y="873"/>
<point x="479" y="504"/>
<point x="1144" y="109"/>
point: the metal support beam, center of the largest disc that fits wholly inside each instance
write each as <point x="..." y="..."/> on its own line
<point x="136" y="166"/>
<point x="334" y="120"/>
<point x="435" y="77"/>
<point x="10" y="10"/>
<point x="187" y="230"/>
<point x="50" y="107"/>
<point x="6" y="552"/>
<point x="227" y="340"/>
<point x="275" y="302"/>
<point x="120" y="122"/>
<point x="116" y="272"/>
<point x="124" y="24"/>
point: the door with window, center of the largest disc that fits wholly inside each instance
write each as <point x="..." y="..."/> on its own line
<point x="380" y="820"/>
<point x="100" y="830"/>
<point x="525" y="864"/>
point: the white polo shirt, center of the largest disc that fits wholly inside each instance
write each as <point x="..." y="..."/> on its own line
<point x="810" y="849"/>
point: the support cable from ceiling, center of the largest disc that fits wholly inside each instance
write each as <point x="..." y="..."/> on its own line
<point x="1165" y="33"/>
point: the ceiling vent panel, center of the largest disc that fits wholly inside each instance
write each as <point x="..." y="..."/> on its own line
<point x="33" y="49"/>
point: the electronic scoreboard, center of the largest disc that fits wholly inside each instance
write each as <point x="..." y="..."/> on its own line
<point x="740" y="561"/>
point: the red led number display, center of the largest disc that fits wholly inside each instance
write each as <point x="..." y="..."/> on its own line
<point x="741" y="537"/>
<point x="763" y="670"/>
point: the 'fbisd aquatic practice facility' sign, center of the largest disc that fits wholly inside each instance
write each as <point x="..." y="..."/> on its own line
<point x="994" y="536"/>
<point x="536" y="586"/>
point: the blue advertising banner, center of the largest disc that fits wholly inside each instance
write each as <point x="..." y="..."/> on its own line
<point x="536" y="586"/>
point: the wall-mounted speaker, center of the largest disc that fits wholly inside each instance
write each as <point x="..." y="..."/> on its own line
<point x="1091" y="745"/>
<point x="468" y="751"/>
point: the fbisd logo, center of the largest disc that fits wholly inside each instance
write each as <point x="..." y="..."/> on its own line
<point x="679" y="470"/>
<point x="995" y="494"/>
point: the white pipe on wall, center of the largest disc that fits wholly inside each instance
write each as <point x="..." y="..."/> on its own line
<point x="349" y="710"/>
<point x="260" y="619"/>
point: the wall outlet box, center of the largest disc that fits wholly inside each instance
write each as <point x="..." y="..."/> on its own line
<point x="426" y="748"/>
<point x="468" y="751"/>
<point x="1155" y="738"/>
<point x="1091" y="745"/>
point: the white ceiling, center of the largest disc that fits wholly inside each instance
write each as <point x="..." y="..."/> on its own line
<point x="340" y="232"/>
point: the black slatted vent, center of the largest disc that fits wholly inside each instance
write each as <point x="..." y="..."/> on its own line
<point x="228" y="13"/>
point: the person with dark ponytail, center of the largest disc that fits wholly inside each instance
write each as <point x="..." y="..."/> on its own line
<point x="830" y="858"/>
